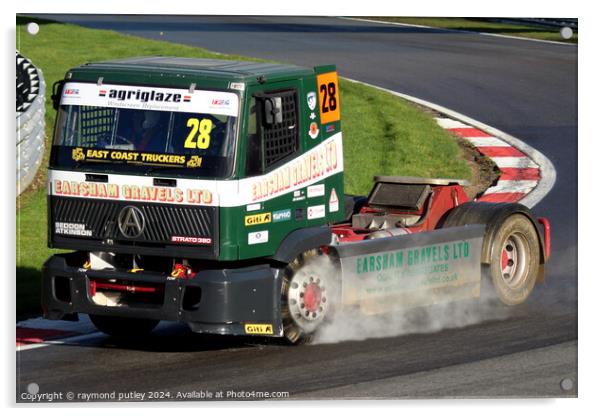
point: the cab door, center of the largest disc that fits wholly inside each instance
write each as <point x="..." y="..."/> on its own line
<point x="272" y="152"/>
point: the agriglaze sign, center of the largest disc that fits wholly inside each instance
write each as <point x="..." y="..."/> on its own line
<point x="150" y="98"/>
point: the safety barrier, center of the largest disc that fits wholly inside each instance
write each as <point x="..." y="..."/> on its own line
<point x="30" y="121"/>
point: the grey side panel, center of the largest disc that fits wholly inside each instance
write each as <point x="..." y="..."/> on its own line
<point x="409" y="240"/>
<point x="412" y="270"/>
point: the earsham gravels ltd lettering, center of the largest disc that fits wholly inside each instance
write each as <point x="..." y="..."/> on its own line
<point x="132" y="192"/>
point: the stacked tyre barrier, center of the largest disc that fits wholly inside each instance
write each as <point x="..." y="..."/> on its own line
<point x="30" y="121"/>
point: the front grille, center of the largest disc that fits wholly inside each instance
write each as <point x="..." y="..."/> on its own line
<point x="162" y="221"/>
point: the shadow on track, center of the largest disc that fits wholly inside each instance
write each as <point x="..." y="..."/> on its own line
<point x="177" y="338"/>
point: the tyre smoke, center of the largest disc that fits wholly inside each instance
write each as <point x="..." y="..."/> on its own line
<point x="349" y="323"/>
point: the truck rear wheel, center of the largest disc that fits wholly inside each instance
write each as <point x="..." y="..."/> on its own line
<point x="514" y="259"/>
<point x="120" y="327"/>
<point x="512" y="246"/>
<point x="309" y="293"/>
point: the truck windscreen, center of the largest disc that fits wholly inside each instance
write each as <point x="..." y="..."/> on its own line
<point x="147" y="138"/>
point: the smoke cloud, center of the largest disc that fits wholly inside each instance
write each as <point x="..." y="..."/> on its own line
<point x="351" y="324"/>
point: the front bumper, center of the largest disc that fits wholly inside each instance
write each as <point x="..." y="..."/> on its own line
<point x="224" y="299"/>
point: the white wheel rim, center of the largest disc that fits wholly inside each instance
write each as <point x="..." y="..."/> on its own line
<point x="307" y="300"/>
<point x="513" y="260"/>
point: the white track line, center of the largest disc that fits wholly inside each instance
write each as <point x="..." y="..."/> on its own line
<point x="84" y="330"/>
<point x="75" y="340"/>
<point x="514" y="162"/>
<point x="520" y="186"/>
<point x="449" y="123"/>
<point x="495" y="35"/>
<point x="487" y="142"/>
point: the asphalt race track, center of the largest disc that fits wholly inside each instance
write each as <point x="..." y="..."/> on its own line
<point x="524" y="88"/>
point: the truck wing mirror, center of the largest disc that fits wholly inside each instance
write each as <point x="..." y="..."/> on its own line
<point x="57" y="91"/>
<point x="272" y="110"/>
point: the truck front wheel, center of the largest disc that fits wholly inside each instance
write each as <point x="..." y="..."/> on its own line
<point x="309" y="294"/>
<point x="120" y="327"/>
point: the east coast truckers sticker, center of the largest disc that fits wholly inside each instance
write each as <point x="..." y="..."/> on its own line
<point x="126" y="156"/>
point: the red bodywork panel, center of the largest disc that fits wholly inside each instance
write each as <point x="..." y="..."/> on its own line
<point x="120" y="286"/>
<point x="546" y="234"/>
<point x="442" y="199"/>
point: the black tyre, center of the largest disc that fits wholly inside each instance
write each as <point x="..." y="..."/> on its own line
<point x="310" y="293"/>
<point x="514" y="259"/>
<point x="125" y="328"/>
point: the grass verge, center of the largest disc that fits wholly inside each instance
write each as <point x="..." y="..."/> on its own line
<point x="484" y="26"/>
<point x="383" y="134"/>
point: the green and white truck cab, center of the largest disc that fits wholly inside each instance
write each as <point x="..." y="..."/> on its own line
<point x="195" y="190"/>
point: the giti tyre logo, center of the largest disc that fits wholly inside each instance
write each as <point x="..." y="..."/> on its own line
<point x="259" y="329"/>
<point x="142" y="96"/>
<point x="131" y="222"/>
<point x="257" y="219"/>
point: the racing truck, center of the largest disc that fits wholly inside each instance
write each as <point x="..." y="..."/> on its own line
<point x="211" y="192"/>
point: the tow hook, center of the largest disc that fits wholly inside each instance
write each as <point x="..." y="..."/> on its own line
<point x="182" y="271"/>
